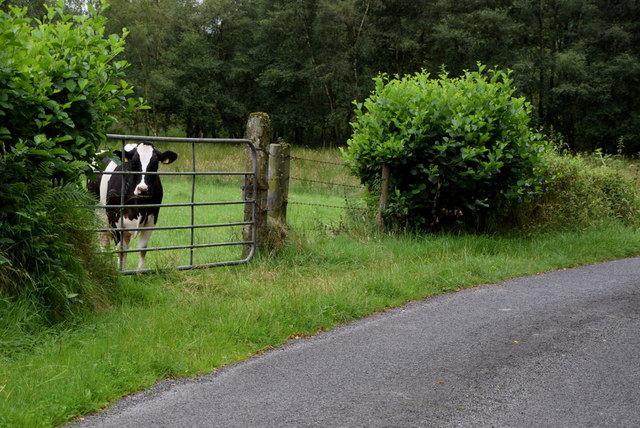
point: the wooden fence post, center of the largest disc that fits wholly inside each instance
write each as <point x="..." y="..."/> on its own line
<point x="384" y="196"/>
<point x="278" y="195"/>
<point x="259" y="132"/>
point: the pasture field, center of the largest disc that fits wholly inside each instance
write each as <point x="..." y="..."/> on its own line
<point x="334" y="269"/>
<point x="309" y="215"/>
<point x="313" y="202"/>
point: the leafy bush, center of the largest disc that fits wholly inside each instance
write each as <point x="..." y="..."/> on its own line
<point x="60" y="88"/>
<point x="587" y="190"/>
<point x="460" y="150"/>
<point x="55" y="265"/>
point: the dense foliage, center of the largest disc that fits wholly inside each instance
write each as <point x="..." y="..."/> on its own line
<point x="459" y="150"/>
<point x="204" y="65"/>
<point x="588" y="190"/>
<point x="60" y="87"/>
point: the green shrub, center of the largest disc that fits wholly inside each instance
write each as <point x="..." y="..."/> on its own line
<point x="587" y="190"/>
<point x="57" y="266"/>
<point x="60" y="88"/>
<point x="460" y="150"/>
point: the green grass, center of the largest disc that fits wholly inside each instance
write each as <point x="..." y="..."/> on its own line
<point x="308" y="210"/>
<point x="180" y="324"/>
<point x="312" y="202"/>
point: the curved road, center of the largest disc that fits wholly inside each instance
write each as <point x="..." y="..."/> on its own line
<point x="560" y="349"/>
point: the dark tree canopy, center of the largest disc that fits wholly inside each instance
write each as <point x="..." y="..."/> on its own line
<point x="204" y="65"/>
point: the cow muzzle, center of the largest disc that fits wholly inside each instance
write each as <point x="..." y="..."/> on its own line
<point x="142" y="191"/>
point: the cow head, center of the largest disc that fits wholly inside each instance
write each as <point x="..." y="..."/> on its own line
<point x="143" y="157"/>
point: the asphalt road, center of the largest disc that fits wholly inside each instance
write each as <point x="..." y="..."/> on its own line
<point x="560" y="349"/>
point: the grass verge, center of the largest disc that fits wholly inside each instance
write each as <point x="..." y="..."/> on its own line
<point x="183" y="324"/>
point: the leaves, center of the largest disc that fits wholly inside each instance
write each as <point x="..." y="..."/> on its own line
<point x="454" y="146"/>
<point x="59" y="92"/>
<point x="59" y="89"/>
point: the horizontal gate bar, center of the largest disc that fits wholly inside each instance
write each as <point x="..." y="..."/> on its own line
<point x="197" y="226"/>
<point x="198" y="266"/>
<point x="186" y="204"/>
<point x="179" y="139"/>
<point x="177" y="247"/>
<point x="189" y="173"/>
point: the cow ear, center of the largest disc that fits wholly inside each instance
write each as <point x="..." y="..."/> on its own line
<point x="117" y="157"/>
<point x="168" y="157"/>
<point x="127" y="155"/>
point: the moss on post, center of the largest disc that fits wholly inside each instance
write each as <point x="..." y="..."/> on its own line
<point x="259" y="132"/>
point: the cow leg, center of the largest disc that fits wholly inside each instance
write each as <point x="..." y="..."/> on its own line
<point x="124" y="245"/>
<point x="143" y="240"/>
<point x="122" y="257"/>
<point x="145" y="235"/>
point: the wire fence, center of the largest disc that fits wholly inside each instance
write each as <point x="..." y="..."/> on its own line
<point x="317" y="161"/>
<point x="326" y="182"/>
<point x="323" y="198"/>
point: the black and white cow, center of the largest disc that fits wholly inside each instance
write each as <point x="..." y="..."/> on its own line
<point x="139" y="190"/>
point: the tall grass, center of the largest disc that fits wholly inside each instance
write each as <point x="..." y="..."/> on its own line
<point x="180" y="324"/>
<point x="587" y="190"/>
<point x="49" y="265"/>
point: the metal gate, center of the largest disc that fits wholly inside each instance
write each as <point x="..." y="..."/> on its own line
<point x="246" y="241"/>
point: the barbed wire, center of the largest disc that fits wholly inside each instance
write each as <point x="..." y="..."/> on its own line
<point x="317" y="161"/>
<point x="325" y="182"/>
<point x="326" y="228"/>
<point x="329" y="206"/>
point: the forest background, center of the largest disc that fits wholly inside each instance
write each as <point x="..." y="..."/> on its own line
<point x="204" y="65"/>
